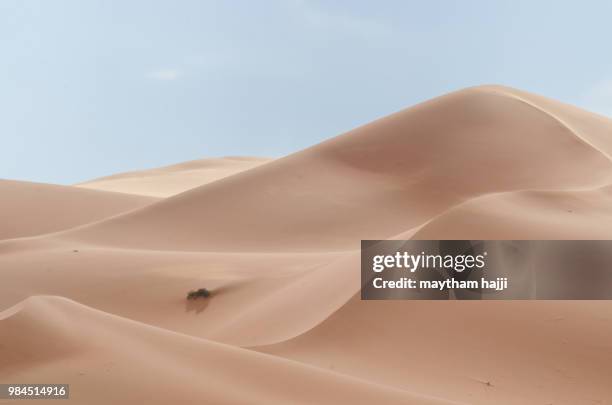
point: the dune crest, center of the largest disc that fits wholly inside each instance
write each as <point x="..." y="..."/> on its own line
<point x="378" y="180"/>
<point x="166" y="181"/>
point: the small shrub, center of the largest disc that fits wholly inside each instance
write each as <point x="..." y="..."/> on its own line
<point x="200" y="293"/>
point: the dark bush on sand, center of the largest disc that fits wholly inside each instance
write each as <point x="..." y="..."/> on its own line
<point x="200" y="293"/>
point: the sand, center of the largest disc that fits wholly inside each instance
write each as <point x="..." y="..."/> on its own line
<point x="28" y="209"/>
<point x="100" y="302"/>
<point x="170" y="180"/>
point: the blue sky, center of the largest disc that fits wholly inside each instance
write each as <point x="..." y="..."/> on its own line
<point x="90" y="88"/>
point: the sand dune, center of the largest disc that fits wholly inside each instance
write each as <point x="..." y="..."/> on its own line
<point x="28" y="209"/>
<point x="479" y="353"/>
<point x="277" y="245"/>
<point x="111" y="360"/>
<point x="532" y="214"/>
<point x="174" y="179"/>
<point x="378" y="180"/>
<point x="249" y="290"/>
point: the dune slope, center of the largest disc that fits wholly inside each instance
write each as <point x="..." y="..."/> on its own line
<point x="474" y="352"/>
<point x="529" y="214"/>
<point x="28" y="209"/>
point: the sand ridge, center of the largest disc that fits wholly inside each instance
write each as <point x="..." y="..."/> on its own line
<point x="107" y="350"/>
<point x="174" y="179"/>
<point x="28" y="209"/>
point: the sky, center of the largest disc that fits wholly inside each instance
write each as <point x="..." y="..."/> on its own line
<point x="90" y="88"/>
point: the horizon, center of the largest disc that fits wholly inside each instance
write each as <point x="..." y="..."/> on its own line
<point x="108" y="91"/>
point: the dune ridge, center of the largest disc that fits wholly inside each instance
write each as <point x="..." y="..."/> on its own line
<point x="45" y="328"/>
<point x="170" y="180"/>
<point x="29" y="209"/>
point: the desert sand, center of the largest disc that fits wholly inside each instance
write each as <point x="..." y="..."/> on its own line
<point x="174" y="179"/>
<point x="94" y="296"/>
<point x="28" y="209"/>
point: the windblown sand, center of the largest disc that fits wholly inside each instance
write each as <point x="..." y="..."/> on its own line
<point x="94" y="276"/>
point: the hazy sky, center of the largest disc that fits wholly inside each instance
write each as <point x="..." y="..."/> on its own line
<point x="90" y="88"/>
